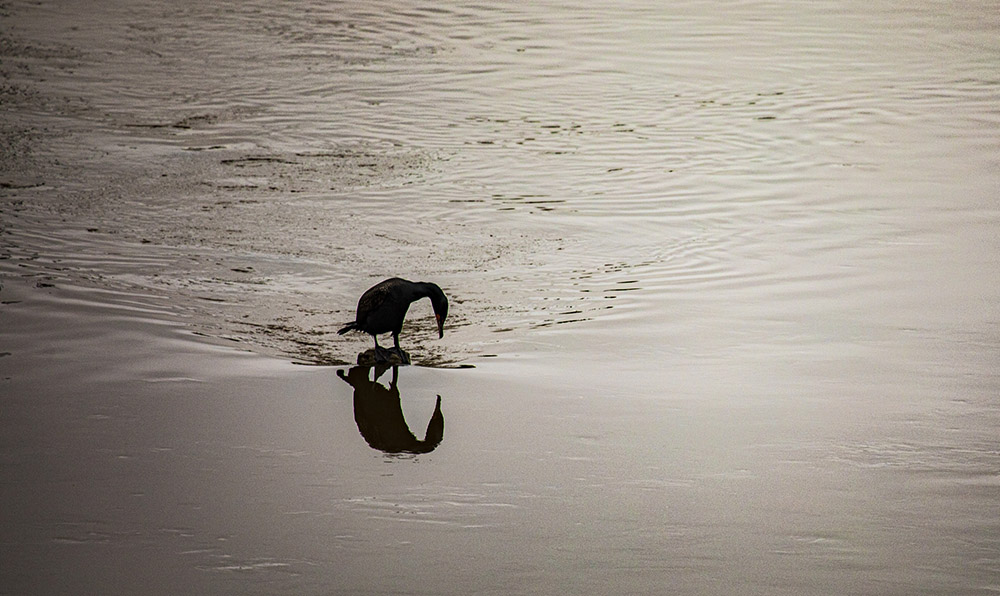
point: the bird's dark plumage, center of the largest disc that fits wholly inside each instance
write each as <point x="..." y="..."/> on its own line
<point x="383" y="307"/>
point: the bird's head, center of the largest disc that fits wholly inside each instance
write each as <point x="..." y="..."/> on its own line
<point x="440" y="304"/>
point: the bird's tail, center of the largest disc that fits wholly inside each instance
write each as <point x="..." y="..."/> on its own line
<point x="349" y="327"/>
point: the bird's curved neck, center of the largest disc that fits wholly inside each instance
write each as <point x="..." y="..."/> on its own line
<point x="423" y="289"/>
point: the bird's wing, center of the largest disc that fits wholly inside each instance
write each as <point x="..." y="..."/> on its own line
<point x="372" y="299"/>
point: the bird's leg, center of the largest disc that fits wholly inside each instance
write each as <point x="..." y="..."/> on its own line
<point x="380" y="352"/>
<point x="403" y="356"/>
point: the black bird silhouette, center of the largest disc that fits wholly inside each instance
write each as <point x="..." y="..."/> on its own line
<point x="378" y="411"/>
<point x="383" y="307"/>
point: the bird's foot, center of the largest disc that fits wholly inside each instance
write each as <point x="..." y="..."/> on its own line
<point x="383" y="354"/>
<point x="404" y="358"/>
<point x="380" y="355"/>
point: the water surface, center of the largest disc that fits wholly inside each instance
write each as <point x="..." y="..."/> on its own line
<point x="728" y="278"/>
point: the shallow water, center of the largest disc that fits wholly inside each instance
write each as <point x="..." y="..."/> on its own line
<point x="728" y="278"/>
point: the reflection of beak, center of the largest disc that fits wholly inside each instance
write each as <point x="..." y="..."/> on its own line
<point x="440" y="326"/>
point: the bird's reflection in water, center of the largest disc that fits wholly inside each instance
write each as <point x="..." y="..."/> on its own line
<point x="378" y="412"/>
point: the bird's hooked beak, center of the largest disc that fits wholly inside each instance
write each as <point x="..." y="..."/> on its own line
<point x="440" y="323"/>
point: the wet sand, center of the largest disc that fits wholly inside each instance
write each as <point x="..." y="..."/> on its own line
<point x="721" y="321"/>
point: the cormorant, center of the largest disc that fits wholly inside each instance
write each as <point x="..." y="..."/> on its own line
<point x="382" y="308"/>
